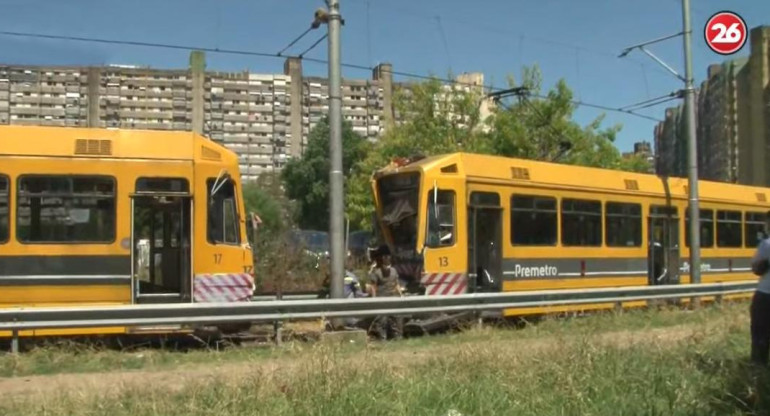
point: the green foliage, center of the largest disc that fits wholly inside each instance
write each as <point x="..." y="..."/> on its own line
<point x="542" y="129"/>
<point x="307" y="178"/>
<point x="277" y="264"/>
<point x="265" y="198"/>
<point x="636" y="163"/>
<point x="437" y="120"/>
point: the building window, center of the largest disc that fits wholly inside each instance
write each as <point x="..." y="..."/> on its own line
<point x="222" y="212"/>
<point x="66" y="209"/>
<point x="441" y="219"/>
<point x="706" y="228"/>
<point x="623" y="225"/>
<point x="754" y="228"/>
<point x="533" y="221"/>
<point x="5" y="214"/>
<point x="581" y="222"/>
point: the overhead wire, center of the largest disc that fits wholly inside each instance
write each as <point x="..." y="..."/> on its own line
<point x="368" y="36"/>
<point x="276" y="55"/>
<point x="312" y="46"/>
<point x="444" y="41"/>
<point x="295" y="41"/>
<point x="667" y="97"/>
<point x="138" y="43"/>
<point x="500" y="30"/>
<point x="656" y="103"/>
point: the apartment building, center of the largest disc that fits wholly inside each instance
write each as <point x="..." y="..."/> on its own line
<point x="732" y="121"/>
<point x="264" y="118"/>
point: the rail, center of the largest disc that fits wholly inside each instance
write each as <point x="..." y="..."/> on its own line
<point x="264" y="297"/>
<point x="18" y="319"/>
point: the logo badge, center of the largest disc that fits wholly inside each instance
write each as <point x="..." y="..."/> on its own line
<point x="726" y="33"/>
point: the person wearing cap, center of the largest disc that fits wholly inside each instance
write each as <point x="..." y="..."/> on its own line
<point x="384" y="282"/>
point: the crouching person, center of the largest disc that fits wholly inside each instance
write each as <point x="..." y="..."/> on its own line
<point x="384" y="282"/>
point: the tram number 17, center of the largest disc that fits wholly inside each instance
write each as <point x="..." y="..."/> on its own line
<point x="443" y="261"/>
<point x="218" y="258"/>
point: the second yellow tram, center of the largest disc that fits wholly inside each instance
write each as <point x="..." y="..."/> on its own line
<point x="461" y="223"/>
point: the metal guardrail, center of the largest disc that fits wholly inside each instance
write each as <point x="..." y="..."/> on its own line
<point x="285" y="296"/>
<point x="18" y="319"/>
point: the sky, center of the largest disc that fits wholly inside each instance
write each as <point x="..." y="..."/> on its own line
<point x="575" y="40"/>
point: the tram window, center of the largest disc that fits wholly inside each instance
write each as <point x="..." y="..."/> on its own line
<point x="706" y="228"/>
<point x="485" y="198"/>
<point x="533" y="220"/>
<point x="729" y="229"/>
<point x="4" y="209"/>
<point x="581" y="222"/>
<point x="623" y="225"/>
<point x="66" y="209"/>
<point x="162" y="185"/>
<point x="222" y="213"/>
<point x="441" y="228"/>
<point x="754" y="228"/>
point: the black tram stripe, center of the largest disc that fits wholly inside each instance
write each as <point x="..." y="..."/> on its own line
<point x="65" y="280"/>
<point x="64" y="265"/>
<point x="566" y="268"/>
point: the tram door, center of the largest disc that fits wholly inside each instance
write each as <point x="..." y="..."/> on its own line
<point x="485" y="254"/>
<point x="663" y="245"/>
<point x="161" y="241"/>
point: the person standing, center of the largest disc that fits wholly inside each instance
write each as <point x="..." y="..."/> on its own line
<point x="384" y="282"/>
<point x="760" y="303"/>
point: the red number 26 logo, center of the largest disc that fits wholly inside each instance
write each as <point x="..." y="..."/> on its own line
<point x="726" y="33"/>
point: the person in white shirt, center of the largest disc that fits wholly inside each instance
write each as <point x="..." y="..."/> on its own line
<point x="760" y="303"/>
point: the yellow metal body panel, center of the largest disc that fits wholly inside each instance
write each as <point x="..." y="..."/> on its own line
<point x="124" y="155"/>
<point x="54" y="296"/>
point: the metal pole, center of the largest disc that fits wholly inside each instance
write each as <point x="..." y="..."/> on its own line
<point x="692" y="152"/>
<point x="336" y="191"/>
<point x="15" y="341"/>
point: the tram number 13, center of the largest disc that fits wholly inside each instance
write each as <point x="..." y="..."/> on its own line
<point x="443" y="261"/>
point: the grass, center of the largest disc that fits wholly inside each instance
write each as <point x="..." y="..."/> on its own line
<point x="614" y="364"/>
<point x="70" y="357"/>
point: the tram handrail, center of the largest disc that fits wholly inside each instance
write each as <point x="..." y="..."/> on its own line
<point x="25" y="318"/>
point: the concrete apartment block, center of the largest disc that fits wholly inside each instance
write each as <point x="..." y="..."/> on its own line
<point x="733" y="121"/>
<point x="264" y="118"/>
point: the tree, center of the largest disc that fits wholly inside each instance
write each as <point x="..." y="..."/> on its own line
<point x="307" y="178"/>
<point x="436" y="119"/>
<point x="543" y="129"/>
<point x="266" y="198"/>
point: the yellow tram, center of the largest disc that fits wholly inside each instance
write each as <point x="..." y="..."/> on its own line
<point x="109" y="217"/>
<point x="460" y="223"/>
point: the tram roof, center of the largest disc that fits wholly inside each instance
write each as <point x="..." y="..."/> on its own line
<point x="41" y="141"/>
<point x="488" y="167"/>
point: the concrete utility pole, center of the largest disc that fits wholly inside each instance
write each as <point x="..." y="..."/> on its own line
<point x="692" y="152"/>
<point x="336" y="191"/>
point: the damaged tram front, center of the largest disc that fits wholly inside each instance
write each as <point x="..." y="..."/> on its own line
<point x="422" y="217"/>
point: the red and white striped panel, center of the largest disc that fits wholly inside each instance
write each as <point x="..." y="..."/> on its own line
<point x="443" y="284"/>
<point x="223" y="287"/>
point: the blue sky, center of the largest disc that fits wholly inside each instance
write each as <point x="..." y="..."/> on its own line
<point x="577" y="40"/>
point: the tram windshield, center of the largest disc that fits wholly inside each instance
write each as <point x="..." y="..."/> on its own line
<point x="398" y="195"/>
